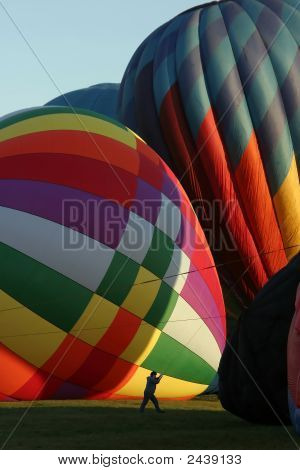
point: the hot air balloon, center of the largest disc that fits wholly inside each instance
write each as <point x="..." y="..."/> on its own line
<point x="105" y="272"/>
<point x="253" y="369"/>
<point x="216" y="92"/>
<point x="101" y="98"/>
<point x="293" y="361"/>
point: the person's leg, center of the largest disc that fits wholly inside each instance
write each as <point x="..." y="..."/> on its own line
<point x="144" y="403"/>
<point x="155" y="403"/>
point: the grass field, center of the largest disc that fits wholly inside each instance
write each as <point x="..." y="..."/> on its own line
<point x="197" y="424"/>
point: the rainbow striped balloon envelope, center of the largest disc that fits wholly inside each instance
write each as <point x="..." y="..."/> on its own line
<point x="105" y="272"/>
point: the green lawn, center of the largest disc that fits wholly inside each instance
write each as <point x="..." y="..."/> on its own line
<point x="197" y="424"/>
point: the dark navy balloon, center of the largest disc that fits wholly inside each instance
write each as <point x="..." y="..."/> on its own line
<point x="293" y="359"/>
<point x="101" y="98"/>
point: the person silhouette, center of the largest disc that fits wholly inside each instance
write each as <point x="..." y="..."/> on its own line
<point x="149" y="392"/>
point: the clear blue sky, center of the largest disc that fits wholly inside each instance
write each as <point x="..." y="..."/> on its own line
<point x="80" y="43"/>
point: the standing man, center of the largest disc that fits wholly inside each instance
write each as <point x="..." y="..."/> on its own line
<point x="149" y="392"/>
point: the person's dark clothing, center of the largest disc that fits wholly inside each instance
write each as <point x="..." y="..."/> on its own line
<point x="151" y="397"/>
<point x="149" y="393"/>
<point x="151" y="384"/>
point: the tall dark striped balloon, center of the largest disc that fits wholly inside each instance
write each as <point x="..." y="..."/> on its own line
<point x="216" y="92"/>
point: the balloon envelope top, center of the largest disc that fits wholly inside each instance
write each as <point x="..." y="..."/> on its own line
<point x="101" y="98"/>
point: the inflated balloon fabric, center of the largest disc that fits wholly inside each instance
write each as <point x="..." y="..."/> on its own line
<point x="216" y="92"/>
<point x="253" y="369"/>
<point x="105" y="272"/>
<point x="294" y="366"/>
<point x="101" y="98"/>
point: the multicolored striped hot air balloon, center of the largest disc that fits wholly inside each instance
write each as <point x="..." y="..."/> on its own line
<point x="216" y="92"/>
<point x="105" y="272"/>
<point x="293" y="360"/>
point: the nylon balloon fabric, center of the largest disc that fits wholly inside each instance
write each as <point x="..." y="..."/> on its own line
<point x="293" y="361"/>
<point x="101" y="98"/>
<point x="253" y="370"/>
<point x="105" y="272"/>
<point x="216" y="92"/>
